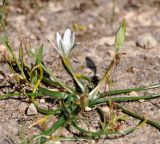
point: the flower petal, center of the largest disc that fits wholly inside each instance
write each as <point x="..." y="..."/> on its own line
<point x="59" y="43"/>
<point x="67" y="39"/>
<point x="72" y="39"/>
<point x="58" y="37"/>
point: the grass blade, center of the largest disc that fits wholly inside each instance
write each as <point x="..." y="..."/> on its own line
<point x="5" y="96"/>
<point x="122" y="99"/>
<point x="124" y="91"/>
<point x="39" y="55"/>
<point x="120" y="36"/>
<point x="54" y="94"/>
<point x="150" y="122"/>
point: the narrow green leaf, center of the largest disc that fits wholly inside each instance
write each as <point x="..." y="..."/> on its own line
<point x="59" y="83"/>
<point x="5" y="96"/>
<point x="121" y="99"/>
<point x="21" y="55"/>
<point x="54" y="94"/>
<point x="39" y="55"/>
<point x="148" y="121"/>
<point x="102" y="132"/>
<point x="125" y="91"/>
<point x="47" y="112"/>
<point x="59" y="123"/>
<point x="120" y="36"/>
<point x="21" y="60"/>
<point x="14" y="57"/>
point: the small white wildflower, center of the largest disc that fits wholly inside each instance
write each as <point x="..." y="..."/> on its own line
<point x="65" y="45"/>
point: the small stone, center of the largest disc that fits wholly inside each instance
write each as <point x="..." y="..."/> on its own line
<point x="42" y="20"/>
<point x="2" y="48"/>
<point x="142" y="100"/>
<point x="133" y="93"/>
<point x="31" y="110"/>
<point x="55" y="7"/>
<point x="106" y="110"/>
<point x="87" y="109"/>
<point x="43" y="106"/>
<point x="4" y="51"/>
<point x="57" y="142"/>
<point x="108" y="41"/>
<point x="91" y="26"/>
<point x="146" y="41"/>
<point x="89" y="71"/>
<point x="42" y="101"/>
<point x="53" y="142"/>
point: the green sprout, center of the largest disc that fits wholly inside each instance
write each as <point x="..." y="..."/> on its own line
<point x="120" y="36"/>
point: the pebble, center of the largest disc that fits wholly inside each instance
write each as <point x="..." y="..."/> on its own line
<point x="4" y="51"/>
<point x="106" y="110"/>
<point x="108" y="41"/>
<point x="42" y="101"/>
<point x="53" y="142"/>
<point x="42" y="20"/>
<point x="133" y="93"/>
<point x="87" y="109"/>
<point x="31" y="110"/>
<point x="43" y="106"/>
<point x="142" y="100"/>
<point x="146" y="41"/>
<point x="89" y="71"/>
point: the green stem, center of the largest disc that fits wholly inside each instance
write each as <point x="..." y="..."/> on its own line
<point x="60" y="122"/>
<point x="56" y="81"/>
<point x="70" y="70"/>
<point x="9" y="95"/>
<point x="14" y="57"/>
<point x="124" y="91"/>
<point x="94" y="92"/>
<point x="39" y="66"/>
<point x="121" y="99"/>
<point x="150" y="122"/>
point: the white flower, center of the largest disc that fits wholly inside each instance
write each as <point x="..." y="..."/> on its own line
<point x="65" y="45"/>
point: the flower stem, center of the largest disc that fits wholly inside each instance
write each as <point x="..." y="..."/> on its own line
<point x="94" y="92"/>
<point x="70" y="70"/>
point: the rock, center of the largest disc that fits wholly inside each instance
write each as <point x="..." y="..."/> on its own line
<point x="56" y="142"/>
<point x="4" y="52"/>
<point x="53" y="142"/>
<point x="106" y="110"/>
<point x="108" y="41"/>
<point x="133" y="93"/>
<point x="146" y="41"/>
<point x="55" y="7"/>
<point x="42" y="20"/>
<point x="43" y="106"/>
<point x="89" y="71"/>
<point x="87" y="109"/>
<point x="31" y="110"/>
<point x="142" y="100"/>
<point x="42" y="101"/>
